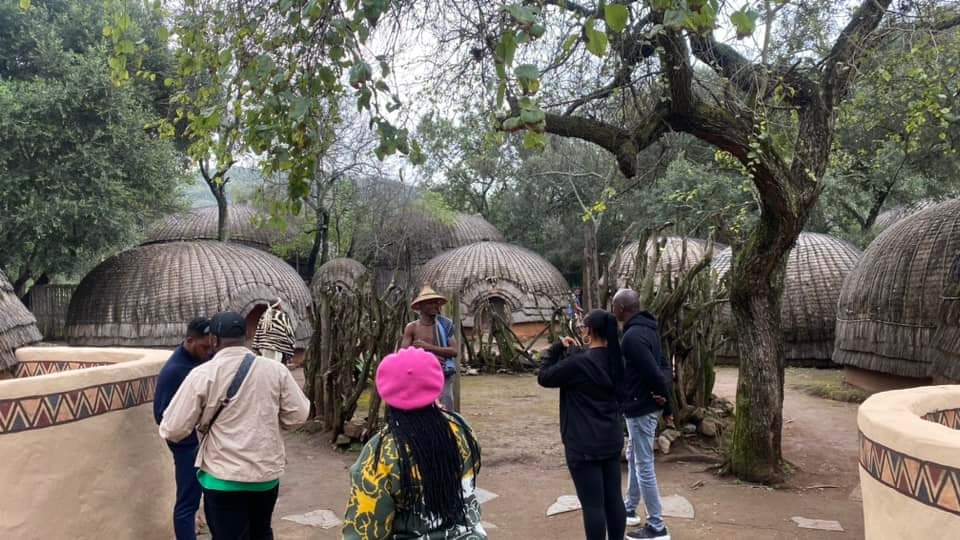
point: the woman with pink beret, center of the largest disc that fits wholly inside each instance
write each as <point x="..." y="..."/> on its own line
<point x="416" y="478"/>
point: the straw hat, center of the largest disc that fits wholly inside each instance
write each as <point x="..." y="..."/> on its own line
<point x="427" y="294"/>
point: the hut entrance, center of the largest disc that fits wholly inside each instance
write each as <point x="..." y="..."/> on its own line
<point x="493" y="309"/>
<point x="253" y="319"/>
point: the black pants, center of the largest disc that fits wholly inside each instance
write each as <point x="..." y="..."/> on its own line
<point x="598" y="488"/>
<point x="240" y="515"/>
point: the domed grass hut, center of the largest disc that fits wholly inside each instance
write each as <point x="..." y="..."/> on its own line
<point x="244" y="226"/>
<point x="891" y="304"/>
<point x="944" y="356"/>
<point x="816" y="268"/>
<point x="415" y="236"/>
<point x="338" y="274"/>
<point x="895" y="214"/>
<point x="18" y="327"/>
<point x="144" y="297"/>
<point x="673" y="259"/>
<point x="520" y="285"/>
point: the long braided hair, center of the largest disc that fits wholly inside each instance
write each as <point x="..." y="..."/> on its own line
<point x="431" y="463"/>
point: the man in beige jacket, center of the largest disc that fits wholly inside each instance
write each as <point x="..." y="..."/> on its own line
<point x="241" y="455"/>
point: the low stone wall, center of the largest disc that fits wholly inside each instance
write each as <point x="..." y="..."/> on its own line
<point x="79" y="447"/>
<point x="910" y="463"/>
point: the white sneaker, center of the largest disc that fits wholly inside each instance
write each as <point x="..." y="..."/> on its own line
<point x="634" y="521"/>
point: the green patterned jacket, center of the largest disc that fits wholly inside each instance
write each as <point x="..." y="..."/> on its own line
<point x="378" y="510"/>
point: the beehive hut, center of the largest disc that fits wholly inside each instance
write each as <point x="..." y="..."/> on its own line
<point x="816" y="268"/>
<point x="520" y="284"/>
<point x="415" y="236"/>
<point x="341" y="273"/>
<point x="18" y="327"/>
<point x="944" y="356"/>
<point x="891" y="304"/>
<point x="244" y="226"/>
<point x="895" y="214"/>
<point x="673" y="258"/>
<point x="144" y="297"/>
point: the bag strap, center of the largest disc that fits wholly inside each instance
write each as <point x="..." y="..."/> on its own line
<point x="234" y="387"/>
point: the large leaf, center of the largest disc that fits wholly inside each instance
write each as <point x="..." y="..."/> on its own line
<point x="745" y="21"/>
<point x="529" y="78"/>
<point x="616" y="16"/>
<point x="596" y="40"/>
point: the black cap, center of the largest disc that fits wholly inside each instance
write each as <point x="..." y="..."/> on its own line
<point x="198" y="327"/>
<point x="228" y="324"/>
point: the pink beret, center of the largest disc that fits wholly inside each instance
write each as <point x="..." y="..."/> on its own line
<point x="409" y="379"/>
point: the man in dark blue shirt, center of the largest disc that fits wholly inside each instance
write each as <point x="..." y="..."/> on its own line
<point x="194" y="350"/>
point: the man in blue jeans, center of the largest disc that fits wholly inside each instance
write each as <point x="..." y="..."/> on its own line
<point x="194" y="350"/>
<point x="646" y="388"/>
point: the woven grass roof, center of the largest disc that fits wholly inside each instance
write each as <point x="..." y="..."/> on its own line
<point x="342" y="272"/>
<point x="816" y="268"/>
<point x="144" y="297"/>
<point x="891" y="303"/>
<point x="18" y="327"/>
<point x="895" y="214"/>
<point x="244" y="224"/>
<point x="525" y="280"/>
<point x="425" y="236"/>
<point x="671" y="258"/>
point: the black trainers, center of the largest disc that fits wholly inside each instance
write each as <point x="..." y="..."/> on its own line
<point x="649" y="533"/>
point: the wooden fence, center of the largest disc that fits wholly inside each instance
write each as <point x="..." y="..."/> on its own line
<point x="49" y="304"/>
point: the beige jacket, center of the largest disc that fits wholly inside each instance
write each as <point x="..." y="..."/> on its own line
<point x="244" y="444"/>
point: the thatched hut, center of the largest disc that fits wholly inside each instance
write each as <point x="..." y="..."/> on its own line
<point x="891" y="304"/>
<point x="414" y="236"/>
<point x="342" y="273"/>
<point x="816" y="268"/>
<point x="245" y="225"/>
<point x="895" y="214"/>
<point x="673" y="258"/>
<point x="144" y="297"/>
<point x="18" y="327"/>
<point x="521" y="285"/>
<point x="944" y="356"/>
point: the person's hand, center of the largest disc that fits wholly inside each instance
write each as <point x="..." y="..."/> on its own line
<point x="660" y="400"/>
<point x="423" y="345"/>
<point x="568" y="341"/>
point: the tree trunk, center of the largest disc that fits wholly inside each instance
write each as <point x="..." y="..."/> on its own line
<point x="756" y="288"/>
<point x="319" y="240"/>
<point x="223" y="233"/>
<point x="591" y="268"/>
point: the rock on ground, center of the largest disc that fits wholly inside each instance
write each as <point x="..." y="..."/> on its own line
<point x="677" y="506"/>
<point x="324" y="519"/>
<point x="818" y="524"/>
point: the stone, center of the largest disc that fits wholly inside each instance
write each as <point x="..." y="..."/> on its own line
<point x="472" y="372"/>
<point x="689" y="429"/>
<point x="671" y="434"/>
<point x="817" y="524"/>
<point x="677" y="506"/>
<point x="343" y="440"/>
<point x="324" y="519"/>
<point x="663" y="444"/>
<point x="564" y="504"/>
<point x="487" y="525"/>
<point x="698" y="414"/>
<point x="354" y="430"/>
<point x="483" y="496"/>
<point x="709" y="427"/>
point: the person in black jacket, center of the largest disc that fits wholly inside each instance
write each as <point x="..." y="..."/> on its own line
<point x="590" y="426"/>
<point x="194" y="350"/>
<point x="646" y="392"/>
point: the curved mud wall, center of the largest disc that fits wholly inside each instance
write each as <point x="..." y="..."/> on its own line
<point x="79" y="447"/>
<point x="910" y="463"/>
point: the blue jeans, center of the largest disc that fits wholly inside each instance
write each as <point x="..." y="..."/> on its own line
<point x="188" y="492"/>
<point x="642" y="477"/>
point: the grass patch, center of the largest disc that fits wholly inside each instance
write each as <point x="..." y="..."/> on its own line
<point x="826" y="384"/>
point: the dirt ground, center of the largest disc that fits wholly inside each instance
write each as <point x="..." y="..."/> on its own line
<point x="518" y="427"/>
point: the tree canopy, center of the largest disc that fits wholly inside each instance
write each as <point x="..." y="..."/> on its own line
<point x="79" y="173"/>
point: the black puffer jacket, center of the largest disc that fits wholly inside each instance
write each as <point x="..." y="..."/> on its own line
<point x="589" y="409"/>
<point x="646" y="372"/>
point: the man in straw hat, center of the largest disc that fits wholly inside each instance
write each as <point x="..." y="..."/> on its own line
<point x="434" y="333"/>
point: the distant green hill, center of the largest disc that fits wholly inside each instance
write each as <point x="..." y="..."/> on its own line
<point x="242" y="182"/>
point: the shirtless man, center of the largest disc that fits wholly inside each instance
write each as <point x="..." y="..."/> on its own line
<point x="435" y="334"/>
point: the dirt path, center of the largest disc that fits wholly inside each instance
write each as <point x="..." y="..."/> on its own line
<point x="518" y="427"/>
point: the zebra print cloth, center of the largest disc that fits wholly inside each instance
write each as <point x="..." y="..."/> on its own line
<point x="274" y="333"/>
